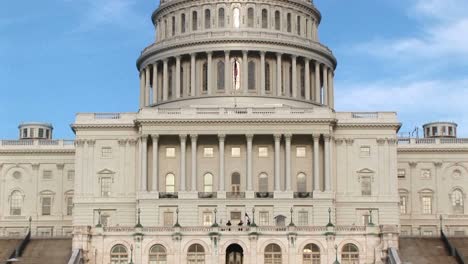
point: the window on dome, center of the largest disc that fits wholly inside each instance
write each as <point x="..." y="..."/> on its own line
<point x="205" y="77"/>
<point x="182" y="83"/>
<point x="290" y="80"/>
<point x="250" y="17"/>
<point x="171" y="83"/>
<point x="166" y="29"/>
<point x="288" y="22"/>
<point x="236" y="74"/>
<point x="267" y="78"/>
<point x="302" y="80"/>
<point x="221" y="18"/>
<point x="194" y="21"/>
<point x="207" y="19"/>
<point x="298" y="25"/>
<point x="41" y="133"/>
<point x="173" y="26"/>
<point x="236" y="17"/>
<point x="252" y="75"/>
<point x="277" y="20"/>
<point x="182" y="23"/>
<point x="264" y="18"/>
<point x="220" y="75"/>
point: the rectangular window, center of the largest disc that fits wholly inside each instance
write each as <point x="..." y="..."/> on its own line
<point x="170" y="152"/>
<point x="434" y="131"/>
<point x="47" y="133"/>
<point x="366" y="186"/>
<point x="168" y="219"/>
<point x="47" y="175"/>
<point x="69" y="205"/>
<point x="403" y="208"/>
<point x="25" y="132"/>
<point x="264" y="218"/>
<point x="208" y="152"/>
<point x="426" y="174"/>
<point x="207" y="218"/>
<point x="106" y="183"/>
<point x="105" y="220"/>
<point x="300" y="152"/>
<point x="365" y="151"/>
<point x="106" y="152"/>
<point x="71" y="175"/>
<point x="235" y="152"/>
<point x="366" y="219"/>
<point x="303" y="218"/>
<point x="401" y="173"/>
<point x="41" y="132"/>
<point x="427" y="205"/>
<point x="236" y="217"/>
<point x="262" y="152"/>
<point x="46" y="205"/>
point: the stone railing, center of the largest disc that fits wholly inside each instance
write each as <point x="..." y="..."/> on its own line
<point x="37" y="142"/>
<point x="229" y="111"/>
<point x="357" y="117"/>
<point x="430" y="141"/>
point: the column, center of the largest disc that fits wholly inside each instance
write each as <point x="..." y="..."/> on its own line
<point x="148" y="86"/>
<point x="294" y="76"/>
<point x="155" y="83"/>
<point x="210" y="72"/>
<point x="325" y="85"/>
<point x="192" y="74"/>
<point x="177" y="76"/>
<point x="142" y="88"/>
<point x="288" y="161"/>
<point x="249" y="161"/>
<point x="316" y="138"/>
<point x="91" y="161"/>
<point x="221" y="139"/>
<point x="165" y="80"/>
<point x="194" y="138"/>
<point x="331" y="89"/>
<point x="144" y="162"/>
<point x="277" y="162"/>
<point x="307" y="78"/>
<point x="327" y="163"/>
<point x="155" y="139"/>
<point x="318" y="97"/>
<point x="245" y="71"/>
<point x="227" y="82"/>
<point x="183" y="154"/>
<point x="262" y="72"/>
<point x="279" y="80"/>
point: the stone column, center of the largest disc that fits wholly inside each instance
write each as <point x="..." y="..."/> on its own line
<point x="262" y="72"/>
<point x="221" y="139"/>
<point x="155" y="139"/>
<point x="227" y="82"/>
<point x="177" y="76"/>
<point x="316" y="138"/>
<point x="210" y="72"/>
<point x="294" y="76"/>
<point x="288" y="161"/>
<point x="148" y="86"/>
<point x="165" y="80"/>
<point x="155" y="83"/>
<point x="142" y="88"/>
<point x="325" y="85"/>
<point x="327" y="163"/>
<point x="144" y="163"/>
<point x="90" y="183"/>
<point x="249" y="161"/>
<point x="307" y="78"/>
<point x="183" y="155"/>
<point x="245" y="71"/>
<point x="279" y="78"/>
<point x="331" y="89"/>
<point x="277" y="162"/>
<point x="318" y="97"/>
<point x="193" y="84"/>
<point x="194" y="138"/>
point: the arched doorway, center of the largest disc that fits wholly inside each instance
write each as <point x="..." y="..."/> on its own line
<point x="234" y="254"/>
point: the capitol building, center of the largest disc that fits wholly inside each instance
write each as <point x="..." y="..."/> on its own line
<point x="236" y="155"/>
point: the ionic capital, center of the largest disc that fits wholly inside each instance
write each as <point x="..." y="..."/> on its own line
<point x="60" y="166"/>
<point x="122" y="142"/>
<point x="381" y="141"/>
<point x="35" y="166"/>
<point x="249" y="137"/>
<point x="193" y="137"/>
<point x="327" y="137"/>
<point x="349" y="141"/>
<point x="155" y="137"/>
<point x="339" y="141"/>
<point x="277" y="137"/>
<point x="288" y="136"/>
<point x="438" y="164"/>
<point x="221" y="137"/>
<point x="132" y="142"/>
<point x="91" y="142"/>
<point x="183" y="137"/>
<point x="144" y="138"/>
<point x="392" y="141"/>
<point x="80" y="142"/>
<point x="413" y="164"/>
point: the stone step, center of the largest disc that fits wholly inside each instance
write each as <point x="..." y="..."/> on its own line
<point x="424" y="251"/>
<point x="51" y="251"/>
<point x="7" y="246"/>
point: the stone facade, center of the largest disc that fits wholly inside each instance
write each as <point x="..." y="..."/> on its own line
<point x="236" y="124"/>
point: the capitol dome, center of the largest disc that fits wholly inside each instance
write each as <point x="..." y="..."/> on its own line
<point x="227" y="52"/>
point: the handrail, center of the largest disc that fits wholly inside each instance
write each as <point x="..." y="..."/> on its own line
<point x="76" y="257"/>
<point x="453" y="250"/>
<point x="393" y="256"/>
<point x="18" y="252"/>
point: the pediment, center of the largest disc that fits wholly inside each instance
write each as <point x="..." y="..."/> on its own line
<point x="106" y="171"/>
<point x="366" y="171"/>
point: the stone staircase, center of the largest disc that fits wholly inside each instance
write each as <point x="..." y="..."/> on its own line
<point x="461" y="244"/>
<point x="424" y="251"/>
<point x="50" y="251"/>
<point x="7" y="246"/>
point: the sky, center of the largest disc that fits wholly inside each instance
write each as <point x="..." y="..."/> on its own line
<point x="61" y="57"/>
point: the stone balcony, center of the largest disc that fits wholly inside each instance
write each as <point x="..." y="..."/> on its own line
<point x="37" y="144"/>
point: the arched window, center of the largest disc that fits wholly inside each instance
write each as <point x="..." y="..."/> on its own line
<point x="196" y="254"/>
<point x="301" y="182"/>
<point x="182" y="23"/>
<point x="263" y="182"/>
<point x="220" y="75"/>
<point x="311" y="254"/>
<point x="207" y="19"/>
<point x="208" y="183"/>
<point x="252" y="75"/>
<point x="273" y="254"/>
<point x="236" y="17"/>
<point x="299" y="25"/>
<point x="267" y="77"/>
<point x="235" y="182"/>
<point x="194" y="21"/>
<point x="264" y="18"/>
<point x="16" y="203"/>
<point x="277" y="20"/>
<point x="119" y="255"/>
<point x="221" y="22"/>
<point x="457" y="201"/>
<point x="350" y="254"/>
<point x="250" y="17"/>
<point x="173" y="26"/>
<point x="170" y="183"/>
<point x="157" y="255"/>
<point x="205" y="77"/>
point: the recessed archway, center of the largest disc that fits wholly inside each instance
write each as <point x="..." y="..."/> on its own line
<point x="234" y="254"/>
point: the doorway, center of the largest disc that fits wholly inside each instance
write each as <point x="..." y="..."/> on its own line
<point x="234" y="254"/>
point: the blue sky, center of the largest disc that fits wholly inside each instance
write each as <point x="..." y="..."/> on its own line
<point x="60" y="57"/>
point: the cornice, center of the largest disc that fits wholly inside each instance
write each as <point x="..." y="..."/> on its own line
<point x="360" y="125"/>
<point x="85" y="126"/>
<point x="432" y="150"/>
<point x="237" y="121"/>
<point x="35" y="151"/>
